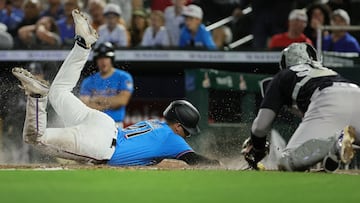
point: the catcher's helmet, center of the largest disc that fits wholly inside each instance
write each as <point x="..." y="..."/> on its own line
<point x="185" y="113"/>
<point x="105" y="49"/>
<point x="297" y="53"/>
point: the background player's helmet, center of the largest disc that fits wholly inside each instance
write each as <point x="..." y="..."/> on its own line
<point x="297" y="53"/>
<point x="105" y="49"/>
<point x="185" y="113"/>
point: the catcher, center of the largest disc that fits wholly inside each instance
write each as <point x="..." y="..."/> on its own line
<point x="328" y="103"/>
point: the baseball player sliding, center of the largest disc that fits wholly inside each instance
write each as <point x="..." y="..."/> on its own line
<point x="328" y="103"/>
<point x="90" y="135"/>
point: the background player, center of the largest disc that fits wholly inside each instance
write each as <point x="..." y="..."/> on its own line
<point x="110" y="89"/>
<point x="328" y="102"/>
<point x="91" y="135"/>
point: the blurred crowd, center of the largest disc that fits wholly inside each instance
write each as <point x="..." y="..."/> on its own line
<point x="48" y="24"/>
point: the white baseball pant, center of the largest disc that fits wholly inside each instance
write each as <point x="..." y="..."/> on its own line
<point x="89" y="135"/>
<point x="330" y="110"/>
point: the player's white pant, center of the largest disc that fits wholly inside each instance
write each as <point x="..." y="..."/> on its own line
<point x="331" y="109"/>
<point x="88" y="134"/>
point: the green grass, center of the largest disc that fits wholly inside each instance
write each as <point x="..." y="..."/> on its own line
<point x="133" y="186"/>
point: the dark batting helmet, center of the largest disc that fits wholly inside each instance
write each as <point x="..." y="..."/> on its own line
<point x="105" y="49"/>
<point x="297" y="53"/>
<point x="185" y="113"/>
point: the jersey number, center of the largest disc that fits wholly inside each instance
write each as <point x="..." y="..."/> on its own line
<point x="137" y="130"/>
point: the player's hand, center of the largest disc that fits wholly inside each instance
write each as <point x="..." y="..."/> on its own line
<point x="252" y="155"/>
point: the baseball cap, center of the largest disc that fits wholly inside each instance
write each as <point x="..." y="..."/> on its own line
<point x="139" y="12"/>
<point x="112" y="9"/>
<point x="343" y="14"/>
<point x="193" y="11"/>
<point x="299" y="14"/>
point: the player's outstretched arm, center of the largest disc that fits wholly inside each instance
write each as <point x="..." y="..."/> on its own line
<point x="194" y="159"/>
<point x="113" y="102"/>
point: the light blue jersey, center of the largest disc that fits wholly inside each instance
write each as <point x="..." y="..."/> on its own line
<point x="95" y="85"/>
<point x="202" y="38"/>
<point x="147" y="143"/>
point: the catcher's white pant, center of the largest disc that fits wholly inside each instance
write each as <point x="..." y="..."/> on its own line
<point x="88" y="134"/>
<point x="330" y="110"/>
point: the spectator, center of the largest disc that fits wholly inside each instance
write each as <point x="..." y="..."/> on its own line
<point x="32" y="9"/>
<point x="44" y="34"/>
<point x="139" y="23"/>
<point x="55" y="9"/>
<point x="194" y="34"/>
<point x="126" y="8"/>
<point x="340" y="40"/>
<point x="174" y="20"/>
<point x="222" y="36"/>
<point x="318" y="15"/>
<point x="11" y="15"/>
<point x="96" y="11"/>
<point x="112" y="31"/>
<point x="66" y="24"/>
<point x="6" y="40"/>
<point x="156" y="34"/>
<point x="295" y="33"/>
<point x="110" y="89"/>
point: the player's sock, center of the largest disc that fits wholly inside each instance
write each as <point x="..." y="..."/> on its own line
<point x="81" y="41"/>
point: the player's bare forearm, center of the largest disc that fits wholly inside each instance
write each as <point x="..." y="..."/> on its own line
<point x="113" y="102"/>
<point x="91" y="103"/>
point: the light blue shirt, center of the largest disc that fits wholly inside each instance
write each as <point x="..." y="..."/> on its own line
<point x="95" y="85"/>
<point x="147" y="143"/>
<point x="346" y="44"/>
<point x="202" y="38"/>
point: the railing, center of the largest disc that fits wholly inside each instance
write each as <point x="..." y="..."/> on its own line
<point x="228" y="20"/>
<point x="150" y="55"/>
<point x="332" y="27"/>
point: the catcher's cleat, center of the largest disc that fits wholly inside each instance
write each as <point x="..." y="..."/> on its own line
<point x="84" y="29"/>
<point x="345" y="142"/>
<point x="31" y="84"/>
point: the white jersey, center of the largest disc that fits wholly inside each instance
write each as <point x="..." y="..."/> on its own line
<point x="173" y="24"/>
<point x="151" y="39"/>
<point x="118" y="36"/>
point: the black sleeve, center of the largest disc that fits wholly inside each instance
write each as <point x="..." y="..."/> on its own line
<point x="278" y="92"/>
<point x="192" y="158"/>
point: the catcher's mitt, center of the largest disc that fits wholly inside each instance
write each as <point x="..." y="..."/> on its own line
<point x="252" y="155"/>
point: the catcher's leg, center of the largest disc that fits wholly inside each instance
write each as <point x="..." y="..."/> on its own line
<point x="306" y="155"/>
<point x="326" y="130"/>
<point x="331" y="151"/>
